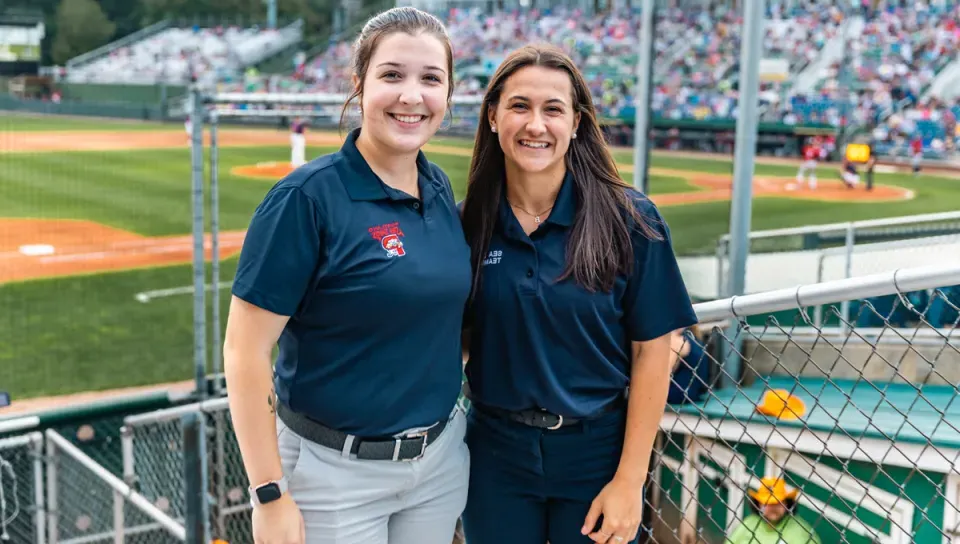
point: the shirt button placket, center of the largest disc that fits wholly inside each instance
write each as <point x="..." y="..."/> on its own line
<point x="532" y="270"/>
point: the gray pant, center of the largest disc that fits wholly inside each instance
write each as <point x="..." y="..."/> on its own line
<point x="349" y="501"/>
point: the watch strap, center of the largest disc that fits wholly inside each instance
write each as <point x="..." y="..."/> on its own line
<point x="282" y="486"/>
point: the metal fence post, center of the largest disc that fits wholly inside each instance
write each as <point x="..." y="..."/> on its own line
<point x="721" y="253"/>
<point x="40" y="516"/>
<point x="126" y="450"/>
<point x="818" y="309"/>
<point x="197" y="521"/>
<point x="53" y="513"/>
<point x="199" y="272"/>
<point x="215" y="249"/>
<point x="118" y="524"/>
<point x="847" y="271"/>
<point x="751" y="49"/>
<point x="641" y="127"/>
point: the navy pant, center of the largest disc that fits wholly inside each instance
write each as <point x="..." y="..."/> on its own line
<point x="531" y="486"/>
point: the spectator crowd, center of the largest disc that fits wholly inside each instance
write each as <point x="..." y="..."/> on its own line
<point x="884" y="58"/>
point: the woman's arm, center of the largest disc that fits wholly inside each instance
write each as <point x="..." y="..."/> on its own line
<point x="247" y="352"/>
<point x="247" y="360"/>
<point x="621" y="501"/>
<point x="648" y="397"/>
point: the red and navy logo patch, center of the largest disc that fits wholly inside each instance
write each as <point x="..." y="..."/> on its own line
<point x="390" y="237"/>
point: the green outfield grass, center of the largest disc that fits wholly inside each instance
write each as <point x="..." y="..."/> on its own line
<point x="146" y="191"/>
<point x="22" y="123"/>
<point x="89" y="332"/>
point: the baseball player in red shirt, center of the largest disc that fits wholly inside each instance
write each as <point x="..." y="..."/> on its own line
<point x="811" y="154"/>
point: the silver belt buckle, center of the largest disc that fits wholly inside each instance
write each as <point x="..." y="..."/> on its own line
<point x="558" y="425"/>
<point x="423" y="445"/>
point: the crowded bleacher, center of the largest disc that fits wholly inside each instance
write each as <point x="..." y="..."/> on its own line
<point x="869" y="63"/>
<point x="890" y="57"/>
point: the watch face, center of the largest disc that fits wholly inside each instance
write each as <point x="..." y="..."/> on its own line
<point x="268" y="493"/>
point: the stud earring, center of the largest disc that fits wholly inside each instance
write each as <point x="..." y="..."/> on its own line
<point x="494" y="129"/>
<point x="574" y="135"/>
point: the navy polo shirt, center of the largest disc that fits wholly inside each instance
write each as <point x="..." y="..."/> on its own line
<point x="543" y="344"/>
<point x="375" y="284"/>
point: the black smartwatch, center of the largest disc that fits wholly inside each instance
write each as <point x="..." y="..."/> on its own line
<point x="268" y="492"/>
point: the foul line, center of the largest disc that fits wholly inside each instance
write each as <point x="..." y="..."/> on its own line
<point x="146" y="296"/>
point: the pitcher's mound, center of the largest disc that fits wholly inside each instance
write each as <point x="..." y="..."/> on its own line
<point x="263" y="170"/>
<point x="836" y="191"/>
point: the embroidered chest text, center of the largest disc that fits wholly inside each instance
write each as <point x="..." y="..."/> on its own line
<point x="493" y="257"/>
<point x="390" y="237"/>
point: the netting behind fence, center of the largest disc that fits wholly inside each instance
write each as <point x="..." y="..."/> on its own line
<point x="91" y="244"/>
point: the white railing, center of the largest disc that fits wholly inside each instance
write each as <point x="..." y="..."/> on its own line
<point x="913" y="226"/>
<point x="902" y="280"/>
<point x="79" y="505"/>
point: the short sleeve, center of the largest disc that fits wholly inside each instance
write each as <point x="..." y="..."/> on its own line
<point x="280" y="252"/>
<point x="656" y="300"/>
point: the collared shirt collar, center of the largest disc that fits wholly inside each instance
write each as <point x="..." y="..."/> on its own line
<point x="565" y="207"/>
<point x="364" y="184"/>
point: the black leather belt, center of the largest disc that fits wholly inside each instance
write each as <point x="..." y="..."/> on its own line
<point x="406" y="448"/>
<point x="541" y="419"/>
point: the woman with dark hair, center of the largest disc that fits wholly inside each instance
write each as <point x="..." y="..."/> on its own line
<point x="356" y="265"/>
<point x="576" y="291"/>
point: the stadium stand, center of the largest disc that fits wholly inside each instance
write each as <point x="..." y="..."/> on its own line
<point x="888" y="69"/>
<point x="180" y="55"/>
<point x="890" y="80"/>
<point x="697" y="80"/>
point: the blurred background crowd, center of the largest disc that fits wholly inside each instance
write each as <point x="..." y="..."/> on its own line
<point x="890" y="65"/>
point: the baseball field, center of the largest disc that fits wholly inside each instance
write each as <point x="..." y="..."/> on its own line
<point x="95" y="245"/>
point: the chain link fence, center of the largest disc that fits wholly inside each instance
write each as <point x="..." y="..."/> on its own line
<point x="21" y="488"/>
<point x="154" y="460"/>
<point x="778" y="429"/>
<point x="86" y="503"/>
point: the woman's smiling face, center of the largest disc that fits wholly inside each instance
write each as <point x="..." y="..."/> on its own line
<point x="404" y="93"/>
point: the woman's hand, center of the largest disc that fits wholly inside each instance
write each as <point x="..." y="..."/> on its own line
<point x="279" y="522"/>
<point x="621" y="504"/>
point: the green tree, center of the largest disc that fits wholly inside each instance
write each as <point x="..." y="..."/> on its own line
<point x="125" y="14"/>
<point x="81" y="26"/>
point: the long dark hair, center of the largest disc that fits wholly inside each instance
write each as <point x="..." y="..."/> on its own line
<point x="599" y="247"/>
<point x="405" y="19"/>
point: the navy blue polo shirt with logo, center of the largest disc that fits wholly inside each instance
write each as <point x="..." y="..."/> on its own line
<point x="543" y="344"/>
<point x="375" y="283"/>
